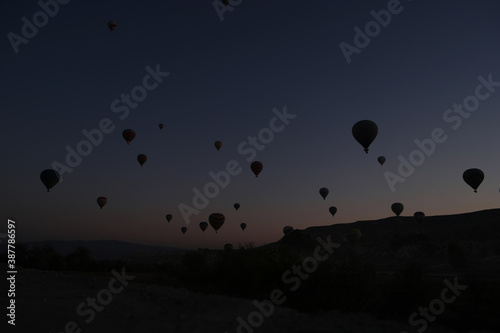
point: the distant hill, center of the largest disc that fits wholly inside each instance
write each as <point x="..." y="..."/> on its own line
<point x="102" y="249"/>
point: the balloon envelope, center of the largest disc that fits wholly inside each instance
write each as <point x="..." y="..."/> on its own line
<point x="323" y="192"/>
<point x="128" y="135"/>
<point x="474" y="178"/>
<point x="216" y="220"/>
<point x="365" y="131"/>
<point x="381" y="160"/>
<point x="203" y="226"/>
<point x="419" y="216"/>
<point x="256" y="168"/>
<point x="236" y="206"/>
<point x="141" y="158"/>
<point x="101" y="201"/>
<point x="160" y="126"/>
<point x="218" y="145"/>
<point x="112" y="25"/>
<point x="397" y="208"/>
<point x="184" y="229"/>
<point x="287" y="229"/>
<point x="169" y="217"/>
<point x="332" y="210"/>
<point x="243" y="226"/>
<point x="50" y="178"/>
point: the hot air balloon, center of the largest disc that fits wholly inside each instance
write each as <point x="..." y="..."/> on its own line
<point x="228" y="247"/>
<point x="333" y="210"/>
<point x="184" y="229"/>
<point x="160" y="126"/>
<point x="397" y="208"/>
<point x="256" y="168"/>
<point x="419" y="216"/>
<point x="203" y="226"/>
<point x="324" y="192"/>
<point x="218" y="145"/>
<point x="128" y="135"/>
<point x="474" y="178"/>
<point x="243" y="226"/>
<point x="50" y="178"/>
<point x="236" y="206"/>
<point x="381" y="160"/>
<point x="225" y="2"/>
<point x="287" y="229"/>
<point x="141" y="158"/>
<point x="101" y="201"/>
<point x="169" y="217"/>
<point x="353" y="235"/>
<point x="216" y="220"/>
<point x="112" y="25"/>
<point x="365" y="131"/>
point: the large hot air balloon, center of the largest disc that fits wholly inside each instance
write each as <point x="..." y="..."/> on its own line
<point x="169" y="217"/>
<point x="333" y="210"/>
<point x="474" y="178"/>
<point x="287" y="229"/>
<point x="324" y="192"/>
<point x="353" y="235"/>
<point x="381" y="160"/>
<point x="218" y="145"/>
<point x="243" y="226"/>
<point x="160" y="126"/>
<point x="128" y="135"/>
<point x="236" y="206"/>
<point x="112" y="25"/>
<point x="101" y="201"/>
<point x="184" y="229"/>
<point x="365" y="131"/>
<point x="216" y="220"/>
<point x="419" y="216"/>
<point x="203" y="226"/>
<point x="50" y="178"/>
<point x="397" y="208"/>
<point x="141" y="158"/>
<point x="256" y="168"/>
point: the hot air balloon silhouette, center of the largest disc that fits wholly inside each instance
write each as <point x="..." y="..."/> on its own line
<point x="141" y="158"/>
<point x="243" y="226"/>
<point x="397" y="208"/>
<point x="101" y="201"/>
<point x="324" y="192"/>
<point x="332" y="210"/>
<point x="474" y="178"/>
<point x="218" y="145"/>
<point x="203" y="226"/>
<point x="160" y="126"/>
<point x="184" y="229"/>
<point x="168" y="217"/>
<point x="236" y="206"/>
<point x="49" y="178"/>
<point x="226" y="2"/>
<point x="128" y="135"/>
<point x="419" y="216"/>
<point x="216" y="220"/>
<point x="256" y="168"/>
<point x="381" y="160"/>
<point x="365" y="131"/>
<point x="112" y="25"/>
<point x="287" y="229"/>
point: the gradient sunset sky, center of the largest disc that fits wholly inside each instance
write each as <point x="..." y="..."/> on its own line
<point x="225" y="79"/>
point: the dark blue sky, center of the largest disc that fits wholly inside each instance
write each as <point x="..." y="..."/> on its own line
<point x="225" y="79"/>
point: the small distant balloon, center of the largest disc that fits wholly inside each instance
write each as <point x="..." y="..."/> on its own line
<point x="365" y="131"/>
<point x="169" y="217"/>
<point x="287" y="229"/>
<point x="236" y="206"/>
<point x="324" y="192"/>
<point x="243" y="226"/>
<point x="473" y="178"/>
<point x="160" y="126"/>
<point x="397" y="208"/>
<point x="50" y="178"/>
<point x="256" y="168"/>
<point x="332" y="210"/>
<point x="128" y="135"/>
<point x="184" y="229"/>
<point x="419" y="216"/>
<point x="112" y="25"/>
<point x="203" y="226"/>
<point x="216" y="220"/>
<point x="101" y="201"/>
<point x="381" y="160"/>
<point x="218" y="145"/>
<point x="228" y="247"/>
<point x="141" y="158"/>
